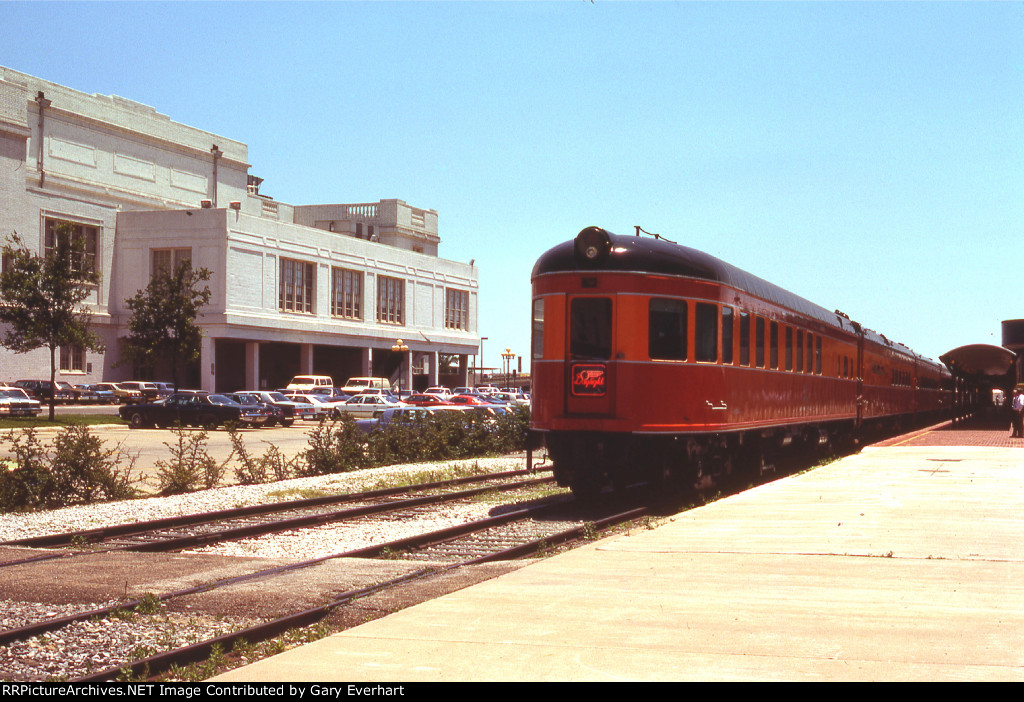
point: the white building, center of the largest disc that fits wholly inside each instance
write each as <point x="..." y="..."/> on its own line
<point x="325" y="289"/>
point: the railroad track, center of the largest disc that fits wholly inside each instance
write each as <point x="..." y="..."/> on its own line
<point x="189" y="531"/>
<point x="154" y="666"/>
<point x="498" y="537"/>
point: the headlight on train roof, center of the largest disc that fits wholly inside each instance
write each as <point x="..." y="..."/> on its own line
<point x="592" y="246"/>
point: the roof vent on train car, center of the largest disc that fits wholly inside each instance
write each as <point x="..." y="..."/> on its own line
<point x="592" y="246"/>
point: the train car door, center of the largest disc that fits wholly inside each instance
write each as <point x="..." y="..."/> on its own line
<point x="590" y="385"/>
<point x="859" y="368"/>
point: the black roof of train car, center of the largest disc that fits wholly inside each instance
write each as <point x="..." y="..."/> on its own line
<point x="638" y="254"/>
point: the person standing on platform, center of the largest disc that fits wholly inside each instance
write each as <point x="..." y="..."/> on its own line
<point x="1017" y="414"/>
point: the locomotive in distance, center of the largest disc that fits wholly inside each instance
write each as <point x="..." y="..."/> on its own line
<point x="654" y="361"/>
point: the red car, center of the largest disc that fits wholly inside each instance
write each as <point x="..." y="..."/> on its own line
<point x="425" y="400"/>
<point x="467" y="400"/>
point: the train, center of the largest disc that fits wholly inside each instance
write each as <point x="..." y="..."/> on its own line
<point x="654" y="362"/>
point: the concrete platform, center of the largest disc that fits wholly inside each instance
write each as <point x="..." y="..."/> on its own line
<point x="900" y="563"/>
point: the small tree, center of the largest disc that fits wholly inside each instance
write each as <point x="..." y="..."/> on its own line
<point x="41" y="296"/>
<point x="163" y="322"/>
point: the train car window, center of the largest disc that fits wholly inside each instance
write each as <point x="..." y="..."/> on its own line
<point x="667" y="330"/>
<point x="759" y="341"/>
<point x="799" y="350"/>
<point x="537" y="340"/>
<point x="817" y="355"/>
<point x="810" y="352"/>
<point x="789" y="348"/>
<point x="744" y="338"/>
<point x="773" y="346"/>
<point x="666" y="334"/>
<point x="727" y="334"/>
<point x="590" y="331"/>
<point x="706" y="345"/>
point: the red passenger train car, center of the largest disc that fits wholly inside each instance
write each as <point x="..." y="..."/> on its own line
<point x="656" y="361"/>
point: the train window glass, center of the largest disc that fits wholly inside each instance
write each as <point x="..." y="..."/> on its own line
<point x="744" y="338"/>
<point x="759" y="341"/>
<point x="590" y="331"/>
<point x="727" y="333"/>
<point x="707" y="333"/>
<point x="773" y="346"/>
<point x="789" y="348"/>
<point x="799" y="350"/>
<point x="537" y="340"/>
<point x="810" y="352"/>
<point x="817" y="355"/>
<point x="666" y="335"/>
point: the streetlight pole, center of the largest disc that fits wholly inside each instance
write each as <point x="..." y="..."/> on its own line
<point x="507" y="363"/>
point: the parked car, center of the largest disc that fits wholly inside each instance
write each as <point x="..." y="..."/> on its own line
<point x="291" y="409"/>
<point x="125" y="396"/>
<point x="43" y="390"/>
<point x="321" y="409"/>
<point x="149" y="391"/>
<point x="77" y="396"/>
<point x="355" y="386"/>
<point x="193" y="408"/>
<point x="363" y="406"/>
<point x="305" y="383"/>
<point x="86" y="394"/>
<point x="425" y="400"/>
<point x="409" y="413"/>
<point x="509" y="399"/>
<point x="14" y="402"/>
<point x="439" y="390"/>
<point x="164" y="389"/>
<point x="468" y="400"/>
<point x="275" y="414"/>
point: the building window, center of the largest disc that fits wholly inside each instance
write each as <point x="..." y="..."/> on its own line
<point x="72" y="359"/>
<point x="390" y="300"/>
<point x="346" y="293"/>
<point x="168" y="260"/>
<point x="298" y="283"/>
<point x="456" y="309"/>
<point x="81" y="239"/>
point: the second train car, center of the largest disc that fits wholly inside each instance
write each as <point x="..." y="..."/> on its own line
<point x="654" y="361"/>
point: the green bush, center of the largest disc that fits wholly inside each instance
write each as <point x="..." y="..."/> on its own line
<point x="335" y="446"/>
<point x="252" y="470"/>
<point x="191" y="466"/>
<point x="77" y="470"/>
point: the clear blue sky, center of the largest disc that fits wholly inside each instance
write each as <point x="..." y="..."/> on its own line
<point x="867" y="156"/>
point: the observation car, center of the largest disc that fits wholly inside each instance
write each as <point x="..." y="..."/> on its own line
<point x="654" y="361"/>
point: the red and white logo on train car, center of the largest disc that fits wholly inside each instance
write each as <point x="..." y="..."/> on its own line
<point x="588" y="379"/>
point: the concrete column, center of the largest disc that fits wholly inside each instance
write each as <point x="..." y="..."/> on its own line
<point x="464" y="369"/>
<point x="306" y="359"/>
<point x="207" y="360"/>
<point x="252" y="365"/>
<point x="433" y="374"/>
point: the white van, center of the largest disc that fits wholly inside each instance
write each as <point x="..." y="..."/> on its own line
<point x="354" y="386"/>
<point x="308" y="383"/>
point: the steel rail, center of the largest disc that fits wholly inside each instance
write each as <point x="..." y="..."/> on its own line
<point x="30" y="630"/>
<point x="134" y="528"/>
<point x="155" y="664"/>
